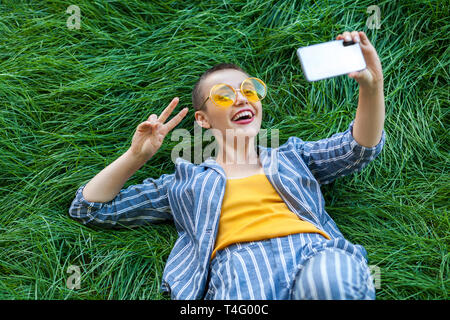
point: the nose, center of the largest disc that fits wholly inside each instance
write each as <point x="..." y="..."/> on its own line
<point x="240" y="98"/>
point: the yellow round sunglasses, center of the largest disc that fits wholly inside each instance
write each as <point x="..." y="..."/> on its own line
<point x="224" y="95"/>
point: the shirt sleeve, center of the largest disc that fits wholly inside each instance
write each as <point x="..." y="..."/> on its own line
<point x="337" y="156"/>
<point x="134" y="206"/>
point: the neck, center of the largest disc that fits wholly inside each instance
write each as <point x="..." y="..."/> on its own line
<point x="238" y="151"/>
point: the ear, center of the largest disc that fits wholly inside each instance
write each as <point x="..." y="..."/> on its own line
<point x="202" y="120"/>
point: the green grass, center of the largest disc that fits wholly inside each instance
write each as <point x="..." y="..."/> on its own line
<point x="70" y="101"/>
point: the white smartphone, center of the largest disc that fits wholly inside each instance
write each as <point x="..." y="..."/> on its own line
<point x="330" y="59"/>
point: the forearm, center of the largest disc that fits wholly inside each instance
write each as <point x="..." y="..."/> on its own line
<point x="108" y="182"/>
<point x="370" y="115"/>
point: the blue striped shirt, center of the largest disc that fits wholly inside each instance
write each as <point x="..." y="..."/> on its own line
<point x="191" y="198"/>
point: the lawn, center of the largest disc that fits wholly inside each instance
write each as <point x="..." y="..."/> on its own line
<point x="70" y="100"/>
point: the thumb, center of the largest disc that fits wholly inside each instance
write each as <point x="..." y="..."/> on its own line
<point x="147" y="124"/>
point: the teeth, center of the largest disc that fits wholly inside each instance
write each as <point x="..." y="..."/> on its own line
<point x="241" y="114"/>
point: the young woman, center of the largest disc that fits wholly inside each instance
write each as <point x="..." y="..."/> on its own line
<point x="252" y="222"/>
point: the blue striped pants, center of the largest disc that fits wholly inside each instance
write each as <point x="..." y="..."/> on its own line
<point x="297" y="266"/>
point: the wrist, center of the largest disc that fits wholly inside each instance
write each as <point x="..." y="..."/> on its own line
<point x="135" y="159"/>
<point x="373" y="87"/>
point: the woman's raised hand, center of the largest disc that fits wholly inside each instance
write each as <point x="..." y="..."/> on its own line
<point x="372" y="75"/>
<point x="150" y="134"/>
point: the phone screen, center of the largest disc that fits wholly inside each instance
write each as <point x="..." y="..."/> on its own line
<point x="330" y="59"/>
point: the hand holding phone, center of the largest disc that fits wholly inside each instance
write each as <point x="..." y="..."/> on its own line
<point x="330" y="59"/>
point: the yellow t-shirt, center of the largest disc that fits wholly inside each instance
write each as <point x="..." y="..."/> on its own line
<point x="253" y="210"/>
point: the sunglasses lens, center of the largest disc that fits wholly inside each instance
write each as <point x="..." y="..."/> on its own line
<point x="223" y="95"/>
<point x="254" y="89"/>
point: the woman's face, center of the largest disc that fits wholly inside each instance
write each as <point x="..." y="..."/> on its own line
<point x="218" y="118"/>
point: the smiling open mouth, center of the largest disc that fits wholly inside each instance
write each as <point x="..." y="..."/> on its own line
<point x="244" y="121"/>
<point x="243" y="117"/>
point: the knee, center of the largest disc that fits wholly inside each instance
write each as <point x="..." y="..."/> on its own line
<point x="333" y="275"/>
